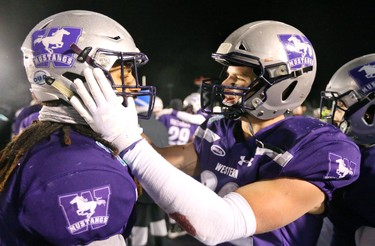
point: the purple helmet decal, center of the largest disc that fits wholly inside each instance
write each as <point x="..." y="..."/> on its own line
<point x="298" y="49"/>
<point x="53" y="46"/>
<point x="364" y="75"/>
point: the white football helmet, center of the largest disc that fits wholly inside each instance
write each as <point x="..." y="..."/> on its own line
<point x="194" y="99"/>
<point x="284" y="61"/>
<point x="159" y="105"/>
<point x="61" y="46"/>
<point x="352" y="90"/>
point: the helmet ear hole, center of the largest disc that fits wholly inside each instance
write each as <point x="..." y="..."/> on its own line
<point x="288" y="91"/>
<point x="369" y="115"/>
<point x="242" y="47"/>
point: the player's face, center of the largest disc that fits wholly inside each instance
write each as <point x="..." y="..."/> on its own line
<point x="339" y="112"/>
<point x="237" y="77"/>
<point x="129" y="79"/>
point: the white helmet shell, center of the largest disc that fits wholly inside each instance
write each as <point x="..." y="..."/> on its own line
<point x="194" y="99"/>
<point x="353" y="84"/>
<point x="47" y="48"/>
<point x="285" y="57"/>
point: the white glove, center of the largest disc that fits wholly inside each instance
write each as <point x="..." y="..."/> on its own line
<point x="103" y="110"/>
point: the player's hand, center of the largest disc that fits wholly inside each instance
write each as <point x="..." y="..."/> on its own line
<point x="103" y="110"/>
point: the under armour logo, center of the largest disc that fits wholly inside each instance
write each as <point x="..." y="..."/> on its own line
<point x="242" y="161"/>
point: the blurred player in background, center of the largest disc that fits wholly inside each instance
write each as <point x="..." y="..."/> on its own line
<point x="350" y="96"/>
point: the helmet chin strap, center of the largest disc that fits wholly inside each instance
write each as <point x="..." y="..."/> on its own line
<point x="344" y="126"/>
<point x="251" y="128"/>
<point x="235" y="112"/>
<point x="83" y="55"/>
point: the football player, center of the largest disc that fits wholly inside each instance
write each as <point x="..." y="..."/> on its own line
<point x="350" y="96"/>
<point x="265" y="178"/>
<point x="60" y="182"/>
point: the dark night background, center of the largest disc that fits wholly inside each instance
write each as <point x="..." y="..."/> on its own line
<point x="179" y="36"/>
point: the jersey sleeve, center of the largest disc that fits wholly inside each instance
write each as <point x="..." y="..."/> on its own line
<point x="76" y="196"/>
<point x="328" y="160"/>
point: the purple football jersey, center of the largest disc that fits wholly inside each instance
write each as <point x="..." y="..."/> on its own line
<point x="354" y="206"/>
<point x="67" y="195"/>
<point x="296" y="147"/>
<point x="179" y="132"/>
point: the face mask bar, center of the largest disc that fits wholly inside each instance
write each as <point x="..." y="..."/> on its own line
<point x="348" y="102"/>
<point x="213" y="94"/>
<point x="266" y="77"/>
<point x="328" y="104"/>
<point x="103" y="59"/>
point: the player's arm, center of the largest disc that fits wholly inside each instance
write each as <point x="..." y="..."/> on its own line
<point x="279" y="202"/>
<point x="182" y="157"/>
<point x="254" y="208"/>
<point x="205" y="215"/>
<point x="195" y="119"/>
<point x="201" y="212"/>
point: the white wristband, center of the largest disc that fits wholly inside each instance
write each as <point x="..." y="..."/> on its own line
<point x="200" y="211"/>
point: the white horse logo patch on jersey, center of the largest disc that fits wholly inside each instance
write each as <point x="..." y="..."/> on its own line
<point x="340" y="167"/>
<point x="86" y="209"/>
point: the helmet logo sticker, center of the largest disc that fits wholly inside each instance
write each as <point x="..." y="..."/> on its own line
<point x="53" y="46"/>
<point x="364" y="75"/>
<point x="86" y="210"/>
<point x="298" y="49"/>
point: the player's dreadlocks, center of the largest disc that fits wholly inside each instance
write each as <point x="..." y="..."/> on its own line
<point x="39" y="130"/>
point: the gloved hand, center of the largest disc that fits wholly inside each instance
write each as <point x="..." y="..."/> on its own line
<point x="103" y="110"/>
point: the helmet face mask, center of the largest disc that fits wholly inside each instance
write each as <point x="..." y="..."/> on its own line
<point x="352" y="99"/>
<point x="285" y="65"/>
<point x="63" y="45"/>
<point x="333" y="108"/>
<point x="213" y="95"/>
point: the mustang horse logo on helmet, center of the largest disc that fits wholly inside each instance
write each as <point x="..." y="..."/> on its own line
<point x="55" y="39"/>
<point x="298" y="49"/>
<point x="53" y="46"/>
<point x="364" y="76"/>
